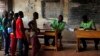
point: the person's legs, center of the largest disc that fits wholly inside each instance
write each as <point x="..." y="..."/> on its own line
<point x="7" y="45"/>
<point x="46" y="40"/>
<point x="38" y="45"/>
<point x="96" y="43"/>
<point x="33" y="42"/>
<point x="2" y="39"/>
<point x="6" y="42"/>
<point x="20" y="47"/>
<point x="26" y="47"/>
<point x="53" y="43"/>
<point x="60" y="42"/>
<point x="60" y="39"/>
<point x="13" y="45"/>
<point x="84" y="43"/>
<point x="35" y="45"/>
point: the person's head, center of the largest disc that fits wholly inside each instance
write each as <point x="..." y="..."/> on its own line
<point x="35" y="15"/>
<point x="60" y="18"/>
<point x="15" y="15"/>
<point x="85" y="18"/>
<point x="11" y="13"/>
<point x="20" y="14"/>
<point x="5" y="14"/>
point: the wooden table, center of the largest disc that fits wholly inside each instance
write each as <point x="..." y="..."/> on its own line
<point x="86" y="34"/>
<point x="49" y="33"/>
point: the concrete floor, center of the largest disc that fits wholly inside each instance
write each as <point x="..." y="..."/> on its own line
<point x="69" y="50"/>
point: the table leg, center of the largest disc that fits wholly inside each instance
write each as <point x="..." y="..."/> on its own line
<point x="56" y="43"/>
<point x="78" y="45"/>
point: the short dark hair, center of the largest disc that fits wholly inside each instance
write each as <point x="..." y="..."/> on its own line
<point x="35" y="14"/>
<point x="20" y="13"/>
<point x="61" y="17"/>
<point x="85" y="18"/>
<point x="11" y="12"/>
<point x="5" y="14"/>
<point x="16" y="15"/>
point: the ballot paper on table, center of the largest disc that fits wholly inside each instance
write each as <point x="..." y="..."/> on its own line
<point x="80" y="29"/>
<point x="70" y="29"/>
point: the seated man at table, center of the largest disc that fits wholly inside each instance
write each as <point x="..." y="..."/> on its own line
<point x="56" y="25"/>
<point x="87" y="24"/>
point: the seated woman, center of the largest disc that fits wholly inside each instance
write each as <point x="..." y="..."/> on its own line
<point x="87" y="24"/>
<point x="59" y="26"/>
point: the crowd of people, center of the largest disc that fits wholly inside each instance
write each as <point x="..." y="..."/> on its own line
<point x="13" y="35"/>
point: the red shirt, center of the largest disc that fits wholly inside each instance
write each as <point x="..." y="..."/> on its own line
<point x="19" y="27"/>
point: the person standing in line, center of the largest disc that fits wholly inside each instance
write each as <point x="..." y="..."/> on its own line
<point x="33" y="34"/>
<point x="10" y="18"/>
<point x="13" y="42"/>
<point x="1" y="36"/>
<point x="20" y="35"/>
<point x="5" y="23"/>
